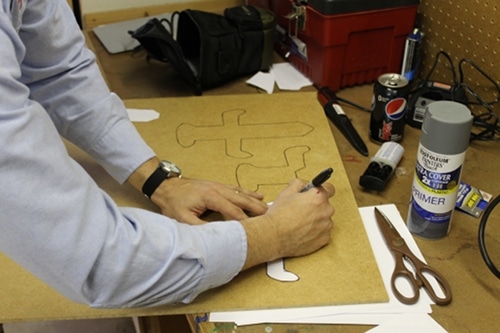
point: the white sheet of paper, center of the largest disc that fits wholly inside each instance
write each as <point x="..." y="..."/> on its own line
<point x="142" y="115"/>
<point x="372" y="314"/>
<point x="263" y="81"/>
<point x="288" y="77"/>
<point x="409" y="323"/>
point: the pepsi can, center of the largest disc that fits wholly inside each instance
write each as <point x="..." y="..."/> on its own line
<point x="390" y="96"/>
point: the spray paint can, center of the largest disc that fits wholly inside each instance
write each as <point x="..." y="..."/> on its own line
<point x="441" y="152"/>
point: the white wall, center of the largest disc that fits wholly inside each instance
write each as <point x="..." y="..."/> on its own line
<point x="92" y="6"/>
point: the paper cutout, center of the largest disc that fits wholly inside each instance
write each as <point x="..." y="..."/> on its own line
<point x="142" y="115"/>
<point x="276" y="270"/>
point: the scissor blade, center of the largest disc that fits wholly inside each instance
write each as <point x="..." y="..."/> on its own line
<point x="391" y="235"/>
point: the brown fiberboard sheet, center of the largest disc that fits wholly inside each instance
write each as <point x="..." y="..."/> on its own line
<point x="259" y="142"/>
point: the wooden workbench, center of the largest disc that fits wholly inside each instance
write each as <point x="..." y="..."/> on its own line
<point x="476" y="291"/>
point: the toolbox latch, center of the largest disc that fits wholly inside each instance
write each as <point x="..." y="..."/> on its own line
<point x="297" y="16"/>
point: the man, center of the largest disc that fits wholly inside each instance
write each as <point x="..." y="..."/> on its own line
<point x="59" y="225"/>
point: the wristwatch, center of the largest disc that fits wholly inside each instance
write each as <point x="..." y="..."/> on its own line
<point x="165" y="170"/>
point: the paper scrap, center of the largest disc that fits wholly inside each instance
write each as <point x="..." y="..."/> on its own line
<point x="288" y="77"/>
<point x="263" y="81"/>
<point x="142" y="115"/>
<point x="284" y="75"/>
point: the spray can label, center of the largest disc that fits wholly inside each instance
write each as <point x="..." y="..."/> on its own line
<point x="434" y="192"/>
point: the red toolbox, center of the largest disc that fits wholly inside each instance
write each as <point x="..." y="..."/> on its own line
<point x="341" y="43"/>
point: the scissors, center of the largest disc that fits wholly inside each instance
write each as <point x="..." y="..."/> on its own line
<point x="417" y="279"/>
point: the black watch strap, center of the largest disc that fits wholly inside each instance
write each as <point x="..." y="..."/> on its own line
<point x="152" y="183"/>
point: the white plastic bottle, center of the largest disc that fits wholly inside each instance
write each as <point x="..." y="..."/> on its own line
<point x="441" y="153"/>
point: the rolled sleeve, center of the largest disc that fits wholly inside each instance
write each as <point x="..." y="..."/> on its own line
<point x="173" y="263"/>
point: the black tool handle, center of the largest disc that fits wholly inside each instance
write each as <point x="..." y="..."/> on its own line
<point x="336" y="114"/>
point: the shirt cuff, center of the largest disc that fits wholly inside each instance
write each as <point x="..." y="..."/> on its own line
<point x="220" y="267"/>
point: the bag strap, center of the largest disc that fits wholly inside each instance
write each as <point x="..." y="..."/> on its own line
<point x="245" y="17"/>
<point x="160" y="45"/>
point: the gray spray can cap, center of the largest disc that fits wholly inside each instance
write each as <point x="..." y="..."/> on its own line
<point x="446" y="127"/>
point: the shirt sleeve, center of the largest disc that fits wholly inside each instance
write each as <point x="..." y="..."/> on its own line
<point x="62" y="75"/>
<point x="56" y="222"/>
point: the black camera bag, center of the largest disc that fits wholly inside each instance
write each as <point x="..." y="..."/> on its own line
<point x="211" y="49"/>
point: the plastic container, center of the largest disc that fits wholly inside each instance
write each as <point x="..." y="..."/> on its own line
<point x="347" y="42"/>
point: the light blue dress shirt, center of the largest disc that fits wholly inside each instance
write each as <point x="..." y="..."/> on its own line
<point x="54" y="220"/>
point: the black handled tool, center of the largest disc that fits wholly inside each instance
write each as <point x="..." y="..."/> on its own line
<point x="336" y="114"/>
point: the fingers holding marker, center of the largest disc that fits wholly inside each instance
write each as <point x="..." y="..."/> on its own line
<point x="317" y="181"/>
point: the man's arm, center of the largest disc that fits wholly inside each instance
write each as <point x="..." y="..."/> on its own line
<point x="73" y="236"/>
<point x="55" y="221"/>
<point x="65" y="79"/>
<point x="62" y="75"/>
<point x="297" y="223"/>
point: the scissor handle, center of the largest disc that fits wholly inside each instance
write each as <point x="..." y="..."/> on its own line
<point x="401" y="271"/>
<point x="445" y="287"/>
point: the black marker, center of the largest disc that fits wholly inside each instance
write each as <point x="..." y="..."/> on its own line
<point x="318" y="180"/>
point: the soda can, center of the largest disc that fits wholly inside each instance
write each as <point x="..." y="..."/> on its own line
<point x="390" y="96"/>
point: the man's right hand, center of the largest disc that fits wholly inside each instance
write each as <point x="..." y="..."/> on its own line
<point x="296" y="224"/>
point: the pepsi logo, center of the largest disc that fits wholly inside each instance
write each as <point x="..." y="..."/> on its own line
<point x="395" y="109"/>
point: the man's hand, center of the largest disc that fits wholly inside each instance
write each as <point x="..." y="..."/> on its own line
<point x="296" y="224"/>
<point x="187" y="199"/>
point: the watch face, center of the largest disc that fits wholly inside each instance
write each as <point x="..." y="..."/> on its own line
<point x="170" y="168"/>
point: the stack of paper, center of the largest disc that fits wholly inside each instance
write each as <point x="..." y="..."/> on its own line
<point x="393" y="316"/>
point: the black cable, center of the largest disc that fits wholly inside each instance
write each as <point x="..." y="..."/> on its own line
<point x="484" y="74"/>
<point x="348" y="102"/>
<point x="482" y="245"/>
<point x="486" y="122"/>
<point x="434" y="65"/>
